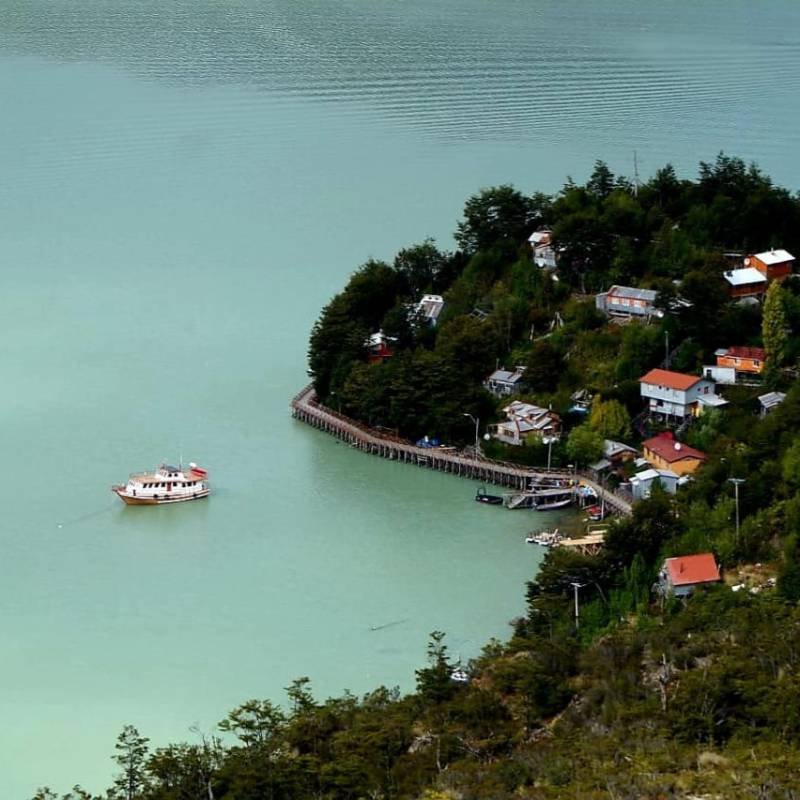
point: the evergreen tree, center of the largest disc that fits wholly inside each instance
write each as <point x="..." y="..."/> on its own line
<point x="544" y="367"/>
<point x="131" y="757"/>
<point x="789" y="575"/>
<point x="435" y="682"/>
<point x="493" y="215"/>
<point x="774" y="328"/>
<point x="601" y="181"/>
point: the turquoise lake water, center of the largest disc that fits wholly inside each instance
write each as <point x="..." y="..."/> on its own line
<point x="181" y="190"/>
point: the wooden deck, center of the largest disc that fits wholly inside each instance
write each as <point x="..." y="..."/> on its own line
<point x="305" y="408"/>
<point x="589" y="545"/>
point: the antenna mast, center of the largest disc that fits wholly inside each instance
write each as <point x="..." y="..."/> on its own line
<point x="635" y="174"/>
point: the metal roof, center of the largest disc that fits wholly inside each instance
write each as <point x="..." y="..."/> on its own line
<point x="652" y="474"/>
<point x="770" y="257"/>
<point x="771" y="399"/>
<point x="744" y="352"/>
<point x="505" y="375"/>
<point x="672" y="380"/>
<point x="431" y="305"/>
<point x="669" y="449"/>
<point x="631" y="292"/>
<point x="743" y="276"/>
<point x="713" y="400"/>
<point x="540" y="236"/>
<point x="684" y="570"/>
<point x="612" y="448"/>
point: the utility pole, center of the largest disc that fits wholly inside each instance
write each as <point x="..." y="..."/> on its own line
<point x="603" y="495"/>
<point x="635" y="174"/>
<point x="666" y="344"/>
<point x="736" y="482"/>
<point x="477" y="443"/>
<point x="550" y="441"/>
<point x="577" y="586"/>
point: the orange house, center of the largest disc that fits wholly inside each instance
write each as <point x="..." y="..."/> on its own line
<point x="774" y="265"/>
<point x="666" y="452"/>
<point x="742" y="359"/>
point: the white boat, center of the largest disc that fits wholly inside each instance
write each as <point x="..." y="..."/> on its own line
<point x="545" y="538"/>
<point x="166" y="484"/>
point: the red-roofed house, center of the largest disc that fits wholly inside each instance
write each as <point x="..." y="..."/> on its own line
<point x="674" y="394"/>
<point x="666" y="452"/>
<point x="680" y="576"/>
<point x="742" y="359"/>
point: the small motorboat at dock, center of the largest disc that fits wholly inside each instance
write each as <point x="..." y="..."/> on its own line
<point x="545" y="538"/>
<point x="481" y="496"/>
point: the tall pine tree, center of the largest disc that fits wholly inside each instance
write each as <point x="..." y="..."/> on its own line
<point x="774" y="330"/>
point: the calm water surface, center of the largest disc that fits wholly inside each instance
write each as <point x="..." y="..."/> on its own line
<point x="181" y="189"/>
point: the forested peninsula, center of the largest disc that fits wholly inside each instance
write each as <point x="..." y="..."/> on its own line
<point x="651" y="695"/>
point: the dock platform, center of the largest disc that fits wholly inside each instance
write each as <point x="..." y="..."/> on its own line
<point x="305" y="408"/>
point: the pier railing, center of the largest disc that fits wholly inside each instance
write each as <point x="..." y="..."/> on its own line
<point x="304" y="407"/>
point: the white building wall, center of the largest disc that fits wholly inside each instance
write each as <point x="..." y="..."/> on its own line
<point x="676" y="402"/>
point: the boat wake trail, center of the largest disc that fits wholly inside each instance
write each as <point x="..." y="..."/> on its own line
<point x="388" y="625"/>
<point x="105" y="509"/>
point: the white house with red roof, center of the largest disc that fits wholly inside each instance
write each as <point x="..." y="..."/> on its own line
<point x="674" y="394"/>
<point x="680" y="576"/>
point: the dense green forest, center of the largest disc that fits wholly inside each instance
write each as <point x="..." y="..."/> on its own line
<point x="668" y="234"/>
<point x="645" y="697"/>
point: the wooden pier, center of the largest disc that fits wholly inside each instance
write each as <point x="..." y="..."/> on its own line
<point x="304" y="407"/>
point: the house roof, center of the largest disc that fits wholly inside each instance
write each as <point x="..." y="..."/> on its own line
<point x="666" y="447"/>
<point x="744" y="276"/>
<point x="742" y="352"/>
<point x="633" y="293"/>
<point x="652" y="474"/>
<point x="712" y="400"/>
<point x="771" y="399"/>
<point x="770" y="257"/>
<point x="672" y="380"/>
<point x="519" y="409"/>
<point x="506" y="376"/>
<point x="430" y="306"/>
<point x="538" y="237"/>
<point x="687" y="570"/>
<point x="612" y="448"/>
<point x="379" y="338"/>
